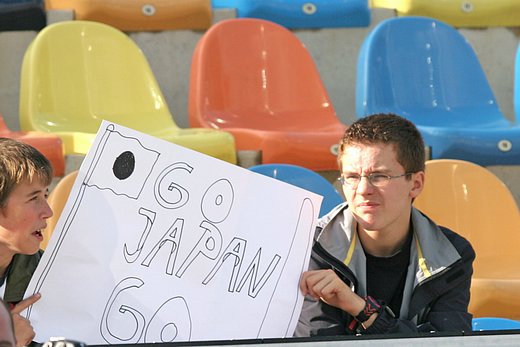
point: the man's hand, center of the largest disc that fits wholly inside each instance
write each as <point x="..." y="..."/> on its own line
<point x="327" y="286"/>
<point x="23" y="330"/>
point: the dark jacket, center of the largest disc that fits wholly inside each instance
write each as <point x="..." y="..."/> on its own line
<point x="19" y="275"/>
<point x="437" y="288"/>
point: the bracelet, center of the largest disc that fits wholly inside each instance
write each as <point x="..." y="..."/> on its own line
<point x="372" y="306"/>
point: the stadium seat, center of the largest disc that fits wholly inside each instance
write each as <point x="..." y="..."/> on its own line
<point x="140" y="15"/>
<point x="469" y="13"/>
<point x="17" y="15"/>
<point x="77" y="73"/>
<point x="255" y="79"/>
<point x="57" y="200"/>
<point x="472" y="201"/>
<point x="49" y="145"/>
<point x="299" y="14"/>
<point x="426" y="71"/>
<point x="516" y="84"/>
<point x="303" y="178"/>
<point x="495" y="323"/>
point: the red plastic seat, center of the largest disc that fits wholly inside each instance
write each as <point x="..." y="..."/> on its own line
<point x="255" y="79"/>
<point x="49" y="145"/>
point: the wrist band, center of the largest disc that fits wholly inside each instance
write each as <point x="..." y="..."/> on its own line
<point x="372" y="306"/>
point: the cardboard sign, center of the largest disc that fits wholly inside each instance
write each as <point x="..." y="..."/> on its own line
<point x="159" y="243"/>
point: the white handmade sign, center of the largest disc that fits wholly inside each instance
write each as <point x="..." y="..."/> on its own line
<point x="159" y="243"/>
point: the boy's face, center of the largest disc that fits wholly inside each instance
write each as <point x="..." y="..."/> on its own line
<point x="383" y="208"/>
<point x="23" y="218"/>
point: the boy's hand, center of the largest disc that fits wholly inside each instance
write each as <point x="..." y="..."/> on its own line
<point x="23" y="330"/>
<point x="325" y="285"/>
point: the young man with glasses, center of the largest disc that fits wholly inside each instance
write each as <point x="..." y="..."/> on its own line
<point x="379" y="265"/>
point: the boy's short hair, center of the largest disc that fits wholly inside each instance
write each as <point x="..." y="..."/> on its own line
<point x="21" y="162"/>
<point x="388" y="128"/>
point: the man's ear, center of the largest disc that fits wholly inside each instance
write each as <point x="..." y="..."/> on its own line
<point x="417" y="184"/>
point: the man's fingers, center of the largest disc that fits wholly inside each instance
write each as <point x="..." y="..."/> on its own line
<point x="22" y="305"/>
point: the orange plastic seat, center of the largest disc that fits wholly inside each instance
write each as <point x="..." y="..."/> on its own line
<point x="77" y="73"/>
<point x="57" y="199"/>
<point x="140" y="15"/>
<point x="467" y="13"/>
<point x="472" y="201"/>
<point x="255" y="79"/>
<point x="49" y="145"/>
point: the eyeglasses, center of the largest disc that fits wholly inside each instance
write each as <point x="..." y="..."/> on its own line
<point x="375" y="179"/>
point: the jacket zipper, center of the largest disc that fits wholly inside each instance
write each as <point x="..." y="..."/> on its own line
<point x="338" y="266"/>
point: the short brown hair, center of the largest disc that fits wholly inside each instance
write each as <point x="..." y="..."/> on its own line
<point x="21" y="162"/>
<point x="388" y="128"/>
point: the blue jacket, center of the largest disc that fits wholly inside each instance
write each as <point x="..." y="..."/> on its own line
<point x="437" y="288"/>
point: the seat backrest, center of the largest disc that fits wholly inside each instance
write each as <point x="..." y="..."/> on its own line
<point x="474" y="13"/>
<point x="516" y="86"/>
<point x="303" y="13"/>
<point x="77" y="73"/>
<point x="140" y="15"/>
<point x="424" y="70"/>
<point x="57" y="199"/>
<point x="303" y="178"/>
<point x="49" y="145"/>
<point x="253" y="73"/>
<point x="475" y="203"/>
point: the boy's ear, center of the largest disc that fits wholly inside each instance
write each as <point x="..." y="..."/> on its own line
<point x="417" y="184"/>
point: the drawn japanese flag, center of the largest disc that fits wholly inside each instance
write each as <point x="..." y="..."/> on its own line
<point x="122" y="168"/>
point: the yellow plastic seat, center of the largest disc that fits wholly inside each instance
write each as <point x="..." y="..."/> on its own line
<point x="472" y="201"/>
<point x="57" y="199"/>
<point x="77" y="73"/>
<point x="140" y="15"/>
<point x="458" y="13"/>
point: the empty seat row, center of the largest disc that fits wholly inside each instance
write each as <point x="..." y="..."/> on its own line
<point x="255" y="87"/>
<point x="154" y="15"/>
<point x="77" y="73"/>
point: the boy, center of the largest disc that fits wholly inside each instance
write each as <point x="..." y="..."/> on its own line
<point x="25" y="176"/>
<point x="379" y="265"/>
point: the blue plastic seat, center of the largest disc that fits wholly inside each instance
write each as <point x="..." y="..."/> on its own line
<point x="516" y="91"/>
<point x="303" y="13"/>
<point x="426" y="71"/>
<point x="303" y="178"/>
<point x="495" y="323"/>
